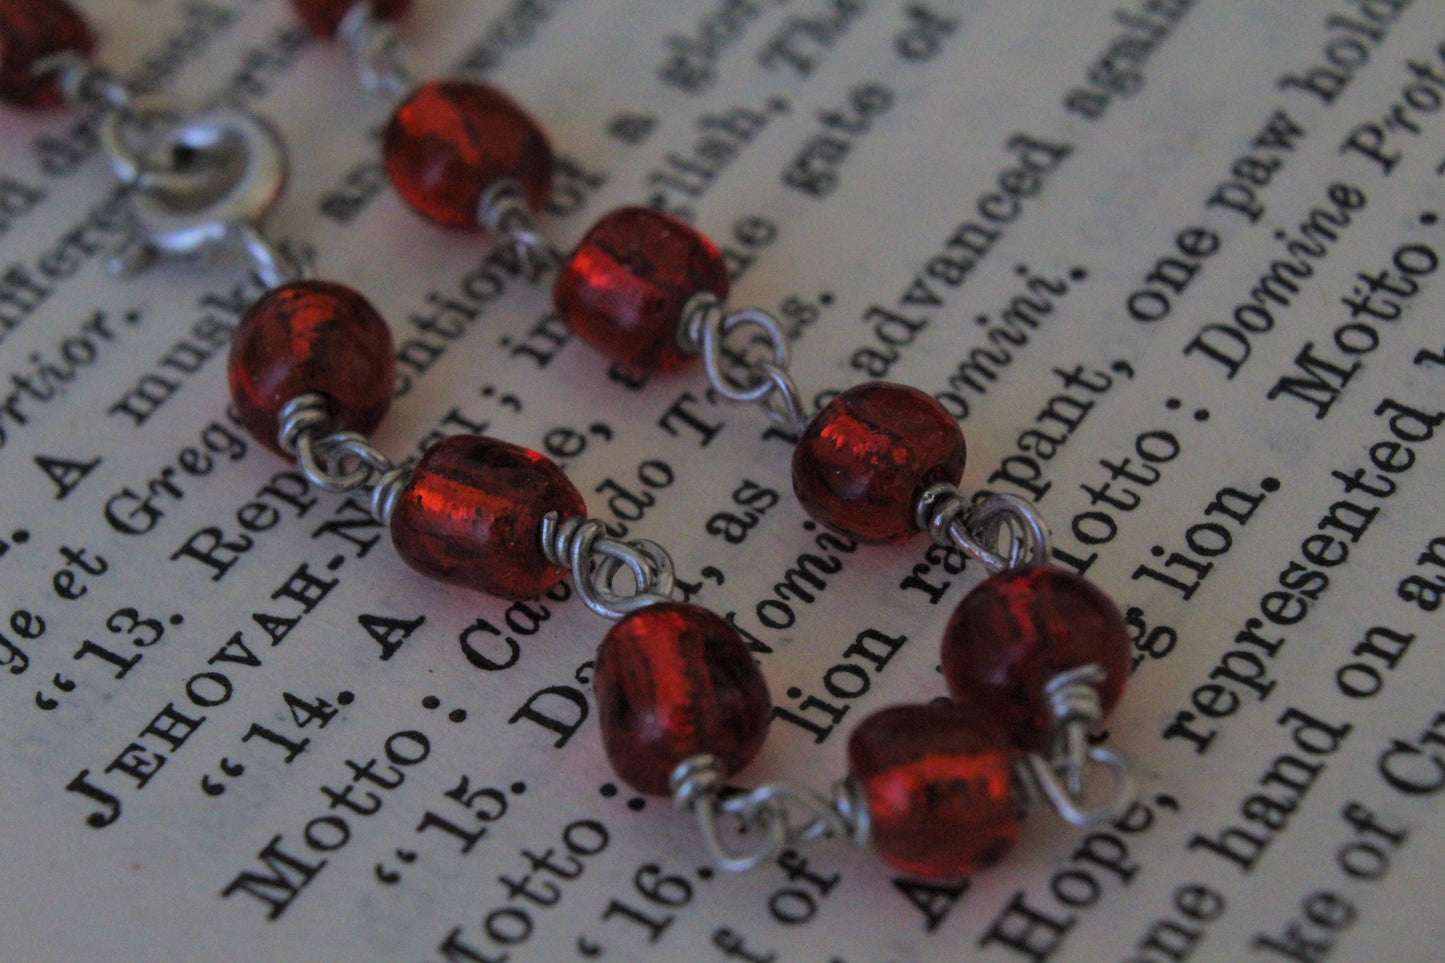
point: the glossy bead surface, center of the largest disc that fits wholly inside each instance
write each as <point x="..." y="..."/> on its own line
<point x="1020" y="628"/>
<point x="471" y="515"/>
<point x="324" y="16"/>
<point x="674" y="681"/>
<point x="452" y="139"/>
<point x="311" y="336"/>
<point x="31" y="30"/>
<point x="623" y="289"/>
<point x="938" y="782"/>
<point x="865" y="459"/>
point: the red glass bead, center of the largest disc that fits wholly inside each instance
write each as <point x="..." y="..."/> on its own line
<point x="938" y="782"/>
<point x="624" y="288"/>
<point x="865" y="459"/>
<point x="451" y="139"/>
<point x="674" y="681"/>
<point x="324" y="16"/>
<point x="471" y="515"/>
<point x="31" y="30"/>
<point x="1020" y="628"/>
<point x="311" y="336"/>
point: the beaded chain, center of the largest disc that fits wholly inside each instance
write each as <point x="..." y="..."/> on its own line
<point x="1033" y="657"/>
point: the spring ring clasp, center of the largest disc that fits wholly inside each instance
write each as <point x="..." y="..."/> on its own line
<point x="203" y="184"/>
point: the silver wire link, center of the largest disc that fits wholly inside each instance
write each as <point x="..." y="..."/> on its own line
<point x="339" y="461"/>
<point x="743" y="830"/>
<point x="978" y="530"/>
<point x="83" y="83"/>
<point x="704" y="329"/>
<point x="375" y="52"/>
<point x="594" y="558"/>
<point x="1039" y="781"/>
<point x="1074" y="708"/>
<point x="502" y="210"/>
<point x="1060" y="778"/>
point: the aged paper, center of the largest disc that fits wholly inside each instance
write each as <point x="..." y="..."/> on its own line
<point x="1174" y="266"/>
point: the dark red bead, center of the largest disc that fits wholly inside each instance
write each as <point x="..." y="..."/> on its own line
<point x="624" y="288"/>
<point x="865" y="459"/>
<point x="324" y="16"/>
<point x="451" y="139"/>
<point x="1020" y="628"/>
<point x="311" y="336"/>
<point x="675" y="681"/>
<point x="471" y="514"/>
<point x="30" y="31"/>
<point x="938" y="781"/>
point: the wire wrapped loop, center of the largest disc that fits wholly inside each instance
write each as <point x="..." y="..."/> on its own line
<point x="1041" y="782"/>
<point x="1074" y="708"/>
<point x="503" y="211"/>
<point x="595" y="559"/>
<point x="339" y="461"/>
<point x="82" y="82"/>
<point x="1065" y="777"/>
<point x="979" y="530"/>
<point x="375" y="52"/>
<point x="743" y="830"/>
<point x="705" y="328"/>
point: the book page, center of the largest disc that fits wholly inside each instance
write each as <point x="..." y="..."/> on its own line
<point x="1173" y="266"/>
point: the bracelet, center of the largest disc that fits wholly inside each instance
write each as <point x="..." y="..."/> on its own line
<point x="1034" y="656"/>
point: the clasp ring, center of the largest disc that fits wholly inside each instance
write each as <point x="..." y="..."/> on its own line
<point x="203" y="182"/>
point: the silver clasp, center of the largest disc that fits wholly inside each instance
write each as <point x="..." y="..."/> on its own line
<point x="204" y="183"/>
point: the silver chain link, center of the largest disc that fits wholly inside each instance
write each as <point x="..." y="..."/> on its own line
<point x="1062" y="777"/>
<point x="743" y="830"/>
<point x="502" y="210"/>
<point x="82" y="82"/>
<point x="704" y="329"/>
<point x="1074" y="707"/>
<point x="339" y="461"/>
<point x="595" y="559"/>
<point x="978" y="530"/>
<point x="375" y="52"/>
